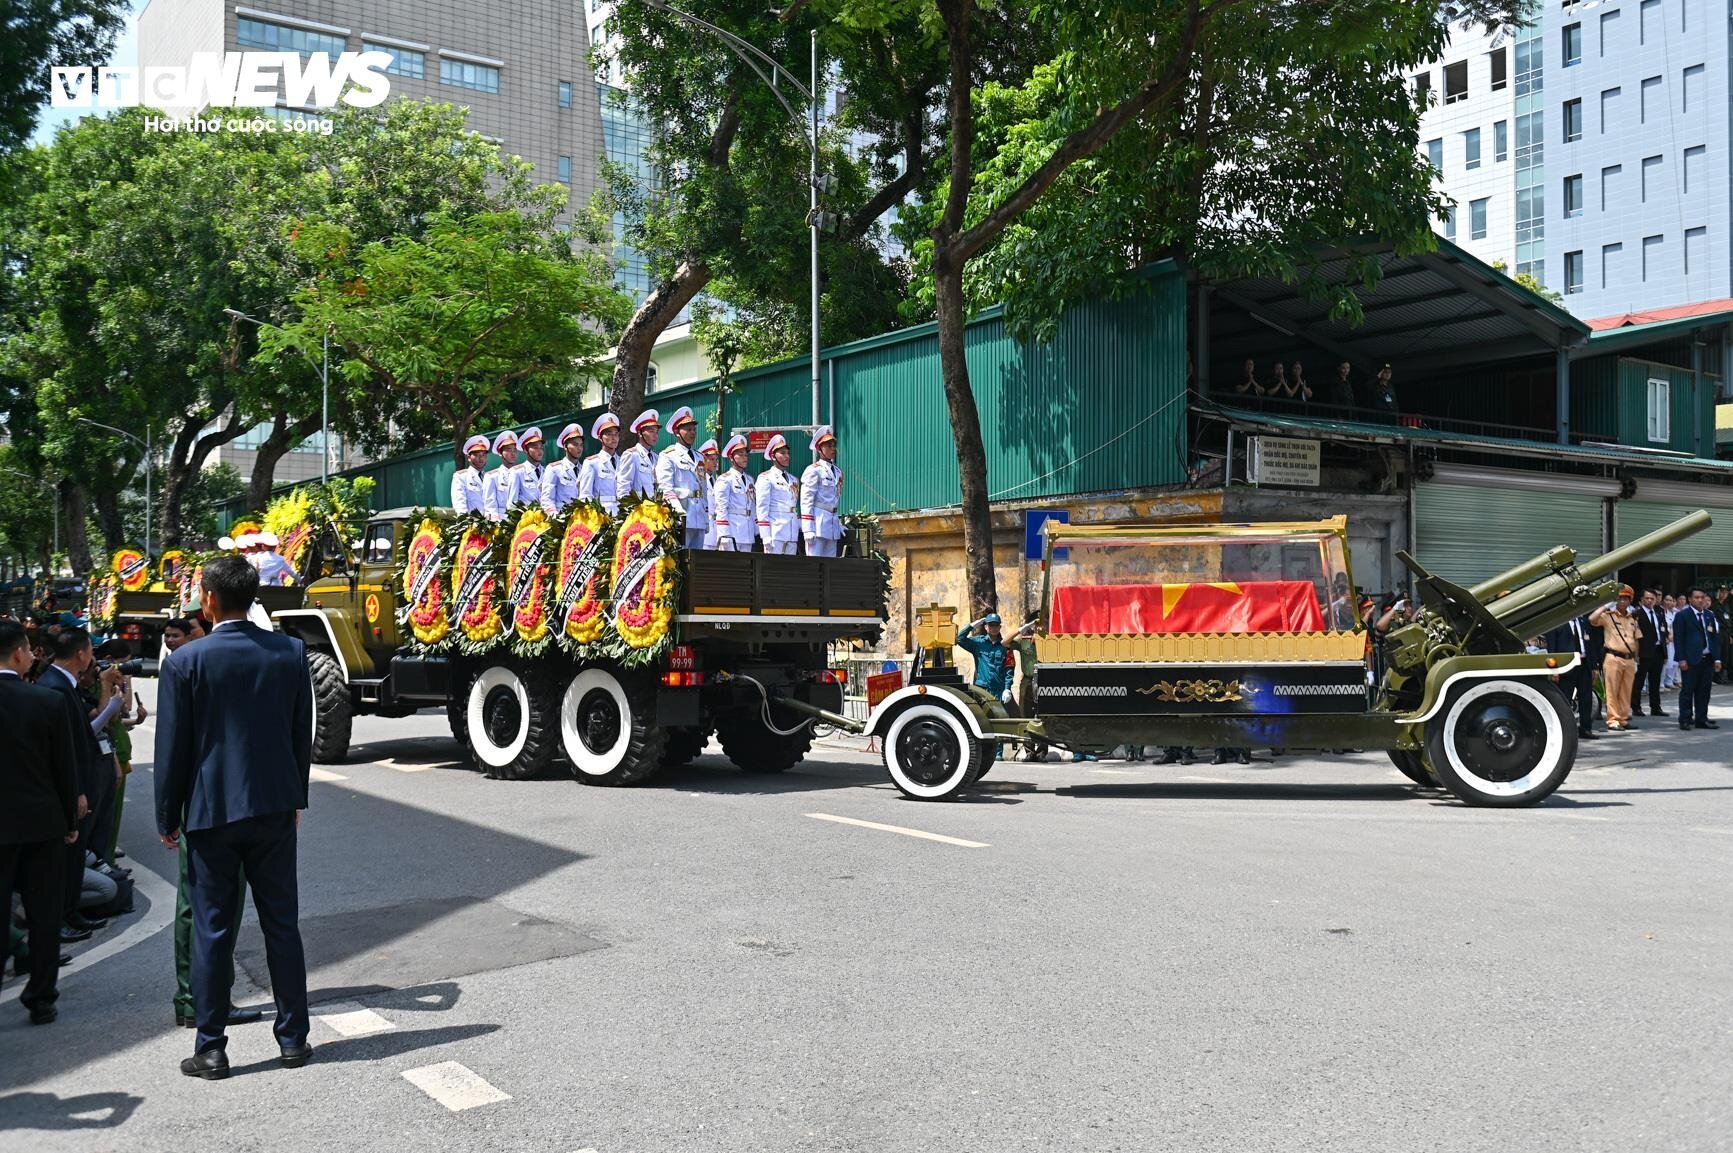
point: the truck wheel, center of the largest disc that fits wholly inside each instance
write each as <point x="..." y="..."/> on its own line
<point x="508" y="714"/>
<point x="684" y="746"/>
<point x="1413" y="766"/>
<point x="1503" y="742"/>
<point x="333" y="711"/>
<point x="987" y="751"/>
<point x="755" y="749"/>
<point x="930" y="753"/>
<point x="608" y="729"/>
<point x="457" y="716"/>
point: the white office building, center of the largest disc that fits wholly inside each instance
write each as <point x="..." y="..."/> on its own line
<point x="1592" y="150"/>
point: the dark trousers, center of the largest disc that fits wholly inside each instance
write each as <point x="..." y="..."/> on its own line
<point x="1579" y="684"/>
<point x="1694" y="685"/>
<point x="184" y="939"/>
<point x="265" y="848"/>
<point x="1648" y="673"/>
<point x="73" y="877"/>
<point x="38" y="869"/>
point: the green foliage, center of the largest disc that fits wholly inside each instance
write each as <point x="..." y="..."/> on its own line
<point x="212" y="491"/>
<point x="42" y="35"/>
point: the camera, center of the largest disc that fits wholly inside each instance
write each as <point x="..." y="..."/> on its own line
<point x="132" y="668"/>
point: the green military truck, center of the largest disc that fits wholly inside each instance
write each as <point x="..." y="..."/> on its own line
<point x="751" y="632"/>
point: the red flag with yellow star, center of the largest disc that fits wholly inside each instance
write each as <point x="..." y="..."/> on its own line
<point x="1216" y="607"/>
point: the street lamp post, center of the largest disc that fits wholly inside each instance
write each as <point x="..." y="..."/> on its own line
<point x="757" y="60"/>
<point x="144" y="444"/>
<point x="324" y="367"/>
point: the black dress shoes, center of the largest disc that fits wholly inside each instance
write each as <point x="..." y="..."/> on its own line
<point x="295" y="1056"/>
<point x="212" y="1065"/>
<point x="244" y="1016"/>
<point x="1588" y="736"/>
<point x="43" y="1014"/>
<point x="1659" y="713"/>
<point x="1708" y="724"/>
<point x="80" y="921"/>
<point x="1685" y="726"/>
<point x="68" y="934"/>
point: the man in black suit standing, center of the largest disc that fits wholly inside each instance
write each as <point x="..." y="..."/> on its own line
<point x="1697" y="648"/>
<point x="1575" y="636"/>
<point x="1651" y="654"/>
<point x="233" y="750"/>
<point x="73" y="657"/>
<point x="38" y="779"/>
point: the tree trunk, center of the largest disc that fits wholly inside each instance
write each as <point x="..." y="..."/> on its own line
<point x="978" y="573"/>
<point x="284" y="435"/>
<point x="632" y="357"/>
<point x="192" y="447"/>
<point x="109" y="522"/>
<point x="74" y="509"/>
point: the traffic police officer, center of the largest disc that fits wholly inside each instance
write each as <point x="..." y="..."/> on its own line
<point x="636" y="475"/>
<point x="560" y="480"/>
<point x="529" y="471"/>
<point x="731" y="501"/>
<point x="820" y="491"/>
<point x="468" y="489"/>
<point x="707" y="457"/>
<point x="677" y="480"/>
<point x="777" y="498"/>
<point x="599" y="479"/>
<point x="500" y="485"/>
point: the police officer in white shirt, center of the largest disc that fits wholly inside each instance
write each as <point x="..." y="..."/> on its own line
<point x="560" y="480"/>
<point x="529" y="471"/>
<point x="677" y="480"/>
<point x="776" y="495"/>
<point x="731" y="501"/>
<point x="707" y="458"/>
<point x="820" y="492"/>
<point x="501" y="484"/>
<point x="636" y="475"/>
<point x="599" y="478"/>
<point x="468" y="489"/>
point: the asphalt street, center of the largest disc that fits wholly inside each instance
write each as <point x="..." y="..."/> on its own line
<point x="1306" y="954"/>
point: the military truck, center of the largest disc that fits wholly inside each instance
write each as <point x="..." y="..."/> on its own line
<point x="1246" y="636"/>
<point x="752" y="632"/>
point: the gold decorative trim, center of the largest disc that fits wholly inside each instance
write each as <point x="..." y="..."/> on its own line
<point x="1200" y="648"/>
<point x="1193" y="692"/>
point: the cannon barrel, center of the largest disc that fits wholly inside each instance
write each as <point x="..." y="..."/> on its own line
<point x="1549" y="561"/>
<point x="1610" y="562"/>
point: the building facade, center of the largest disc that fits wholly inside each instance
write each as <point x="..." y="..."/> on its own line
<point x="1591" y="149"/>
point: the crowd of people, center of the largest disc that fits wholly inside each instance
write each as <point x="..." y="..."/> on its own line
<point x="1285" y="385"/>
<point x="726" y="509"/>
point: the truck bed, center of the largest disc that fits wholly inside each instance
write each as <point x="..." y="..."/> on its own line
<point x="761" y="596"/>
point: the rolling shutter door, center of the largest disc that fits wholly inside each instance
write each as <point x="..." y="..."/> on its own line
<point x="1466" y="533"/>
<point x="1711" y="547"/>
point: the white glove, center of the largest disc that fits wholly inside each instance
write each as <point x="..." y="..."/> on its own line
<point x="1005" y="696"/>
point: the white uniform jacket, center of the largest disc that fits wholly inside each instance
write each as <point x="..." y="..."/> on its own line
<point x="678" y="483"/>
<point x="635" y="474"/>
<point x="776" y="497"/>
<point x="820" y="491"/>
<point x="731" y="504"/>
<point x="559" y="486"/>
<point x="468" y="491"/>
<point x="598" y="480"/>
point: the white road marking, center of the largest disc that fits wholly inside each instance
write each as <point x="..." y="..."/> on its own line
<point x="1116" y="772"/>
<point x="1576" y="816"/>
<point x="391" y="764"/>
<point x="921" y="833"/>
<point x="351" y="1020"/>
<point x="1210" y="780"/>
<point x="1709" y="829"/>
<point x="319" y="774"/>
<point x="454" y="1086"/>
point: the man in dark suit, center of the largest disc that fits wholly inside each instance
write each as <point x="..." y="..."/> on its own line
<point x="38" y="779"/>
<point x="73" y="657"/>
<point x="1697" y="648"/>
<point x="1651" y="654"/>
<point x="1575" y="636"/>
<point x="233" y="750"/>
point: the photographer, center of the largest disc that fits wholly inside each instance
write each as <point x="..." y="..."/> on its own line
<point x="1622" y="637"/>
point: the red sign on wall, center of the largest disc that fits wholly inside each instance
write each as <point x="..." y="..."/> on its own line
<point x="881" y="685"/>
<point x="758" y="438"/>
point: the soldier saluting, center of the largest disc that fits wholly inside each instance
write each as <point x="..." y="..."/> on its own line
<point x="777" y="497"/>
<point x="820" y="492"/>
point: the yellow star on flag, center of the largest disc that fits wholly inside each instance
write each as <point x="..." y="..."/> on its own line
<point x="1170" y="594"/>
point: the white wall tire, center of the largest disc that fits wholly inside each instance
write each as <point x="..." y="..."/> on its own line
<point x="930" y="753"/>
<point x="506" y="720"/>
<point x="607" y="729"/>
<point x="1502" y="742"/>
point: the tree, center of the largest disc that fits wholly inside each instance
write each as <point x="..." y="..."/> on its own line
<point x="491" y="314"/>
<point x="42" y="35"/>
<point x="1240" y="134"/>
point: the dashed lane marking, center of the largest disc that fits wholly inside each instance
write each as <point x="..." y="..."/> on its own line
<point x="319" y="774"/>
<point x="1709" y="829"/>
<point x="391" y="764"/>
<point x="351" y="1020"/>
<point x="1116" y="772"/>
<point x="454" y="1085"/>
<point x="920" y="833"/>
<point x="1210" y="780"/>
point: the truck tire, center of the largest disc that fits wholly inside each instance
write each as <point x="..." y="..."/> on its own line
<point x="608" y="727"/>
<point x="1413" y="766"/>
<point x="684" y="746"/>
<point x="1502" y="742"/>
<point x="930" y="753"/>
<point x="457" y="716"/>
<point x="509" y="720"/>
<point x="755" y="749"/>
<point x="333" y="711"/>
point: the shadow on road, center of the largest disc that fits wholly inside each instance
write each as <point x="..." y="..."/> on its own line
<point x="50" y="1111"/>
<point x="376" y="1047"/>
<point x="713" y="773"/>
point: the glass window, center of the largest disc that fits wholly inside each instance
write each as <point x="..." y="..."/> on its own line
<point x="1573" y="44"/>
<point x="404" y="61"/>
<point x="1660" y="410"/>
<point x="1573" y="273"/>
<point x="1500" y="68"/>
<point x="1529" y="58"/>
<point x="1435" y="154"/>
<point x="1422" y="84"/>
<point x="463" y="74"/>
<point x="250" y="33"/>
<point x="1456" y="82"/>
<point x="1573" y="196"/>
<point x="1501" y="140"/>
<point x="1529" y="133"/>
<point x="1573" y="120"/>
<point x="376" y="546"/>
<point x="565" y="94"/>
<point x="1477" y="219"/>
<point x="565" y="170"/>
<point x="1471" y="147"/>
<point x="1450" y="222"/>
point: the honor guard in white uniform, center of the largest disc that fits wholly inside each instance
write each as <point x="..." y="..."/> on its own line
<point x="599" y="478"/>
<point x="708" y="454"/>
<point x="677" y="480"/>
<point x="636" y="475"/>
<point x="273" y="569"/>
<point x="530" y="469"/>
<point x="820" y="491"/>
<point x="776" y="496"/>
<point x="501" y="483"/>
<point x="731" y="502"/>
<point x="468" y="488"/>
<point x="560" y="480"/>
